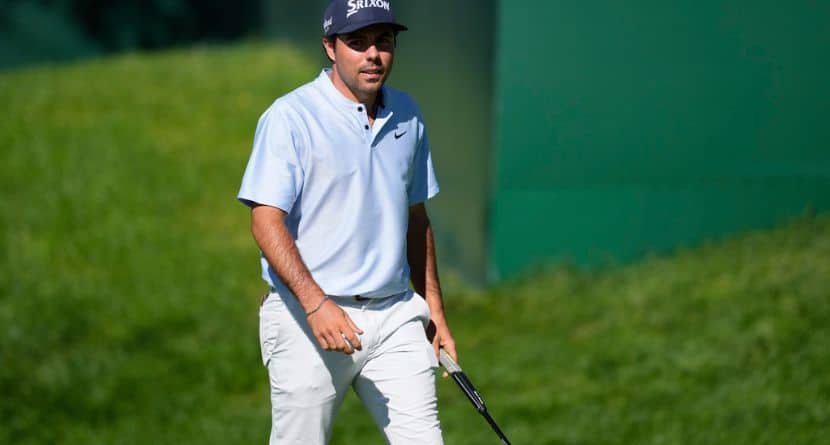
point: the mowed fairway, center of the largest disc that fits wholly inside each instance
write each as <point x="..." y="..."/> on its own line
<point x="129" y="290"/>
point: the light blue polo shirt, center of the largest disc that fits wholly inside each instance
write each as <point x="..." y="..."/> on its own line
<point x="346" y="186"/>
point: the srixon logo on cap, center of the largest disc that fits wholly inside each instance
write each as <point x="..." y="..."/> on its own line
<point x="356" y="5"/>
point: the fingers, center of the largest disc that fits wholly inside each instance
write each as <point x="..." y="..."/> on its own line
<point x="443" y="340"/>
<point x="348" y="343"/>
<point x="449" y="346"/>
<point x="334" y="330"/>
<point x="324" y="343"/>
<point x="345" y="346"/>
<point x="436" y="346"/>
<point x="329" y="341"/>
<point x="336" y="340"/>
<point x="348" y="332"/>
<point x="351" y="334"/>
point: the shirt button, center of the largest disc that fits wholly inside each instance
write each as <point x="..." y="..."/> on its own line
<point x="360" y="109"/>
<point x="366" y="127"/>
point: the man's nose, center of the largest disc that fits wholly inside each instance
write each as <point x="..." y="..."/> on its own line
<point x="372" y="52"/>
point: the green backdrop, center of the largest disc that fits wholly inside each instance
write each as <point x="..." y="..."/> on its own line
<point x="627" y="128"/>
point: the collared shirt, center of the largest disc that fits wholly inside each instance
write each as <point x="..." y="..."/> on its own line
<point x="346" y="185"/>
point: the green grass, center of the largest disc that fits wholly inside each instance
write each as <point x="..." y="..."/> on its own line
<point x="129" y="290"/>
<point x="129" y="281"/>
<point x="729" y="343"/>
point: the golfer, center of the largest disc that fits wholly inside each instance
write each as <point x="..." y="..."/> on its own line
<point x="337" y="181"/>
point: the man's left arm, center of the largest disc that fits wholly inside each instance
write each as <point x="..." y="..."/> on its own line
<point x="420" y="253"/>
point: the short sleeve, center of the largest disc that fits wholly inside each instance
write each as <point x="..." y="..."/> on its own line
<point x="274" y="175"/>
<point x="423" y="185"/>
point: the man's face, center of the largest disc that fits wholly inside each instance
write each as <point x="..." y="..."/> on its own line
<point x="363" y="59"/>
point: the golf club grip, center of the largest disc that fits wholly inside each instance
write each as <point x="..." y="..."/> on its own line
<point x="447" y="362"/>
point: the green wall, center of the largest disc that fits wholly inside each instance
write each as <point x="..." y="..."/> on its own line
<point x="628" y="128"/>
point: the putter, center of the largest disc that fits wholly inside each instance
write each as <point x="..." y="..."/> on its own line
<point x="470" y="391"/>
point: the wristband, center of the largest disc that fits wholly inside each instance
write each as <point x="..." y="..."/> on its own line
<point x="322" y="302"/>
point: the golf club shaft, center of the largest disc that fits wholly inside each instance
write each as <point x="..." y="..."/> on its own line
<point x="470" y="391"/>
<point x="496" y="428"/>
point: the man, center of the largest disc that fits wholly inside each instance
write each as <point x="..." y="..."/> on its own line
<point x="340" y="170"/>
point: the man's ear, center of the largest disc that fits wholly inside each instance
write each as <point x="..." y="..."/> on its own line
<point x="329" y="43"/>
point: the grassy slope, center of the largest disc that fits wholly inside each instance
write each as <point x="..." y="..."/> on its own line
<point x="130" y="280"/>
<point x="129" y="285"/>
<point x="729" y="343"/>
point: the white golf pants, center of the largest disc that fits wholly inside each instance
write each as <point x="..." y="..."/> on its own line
<point x="394" y="374"/>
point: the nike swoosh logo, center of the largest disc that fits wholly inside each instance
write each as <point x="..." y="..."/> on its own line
<point x="398" y="135"/>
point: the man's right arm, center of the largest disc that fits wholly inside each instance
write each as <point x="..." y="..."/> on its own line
<point x="328" y="321"/>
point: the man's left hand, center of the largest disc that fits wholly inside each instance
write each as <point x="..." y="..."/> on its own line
<point x="438" y="332"/>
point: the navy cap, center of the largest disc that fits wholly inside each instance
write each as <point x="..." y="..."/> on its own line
<point x="345" y="16"/>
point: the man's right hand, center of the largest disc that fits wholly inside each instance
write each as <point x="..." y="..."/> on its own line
<point x="334" y="330"/>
